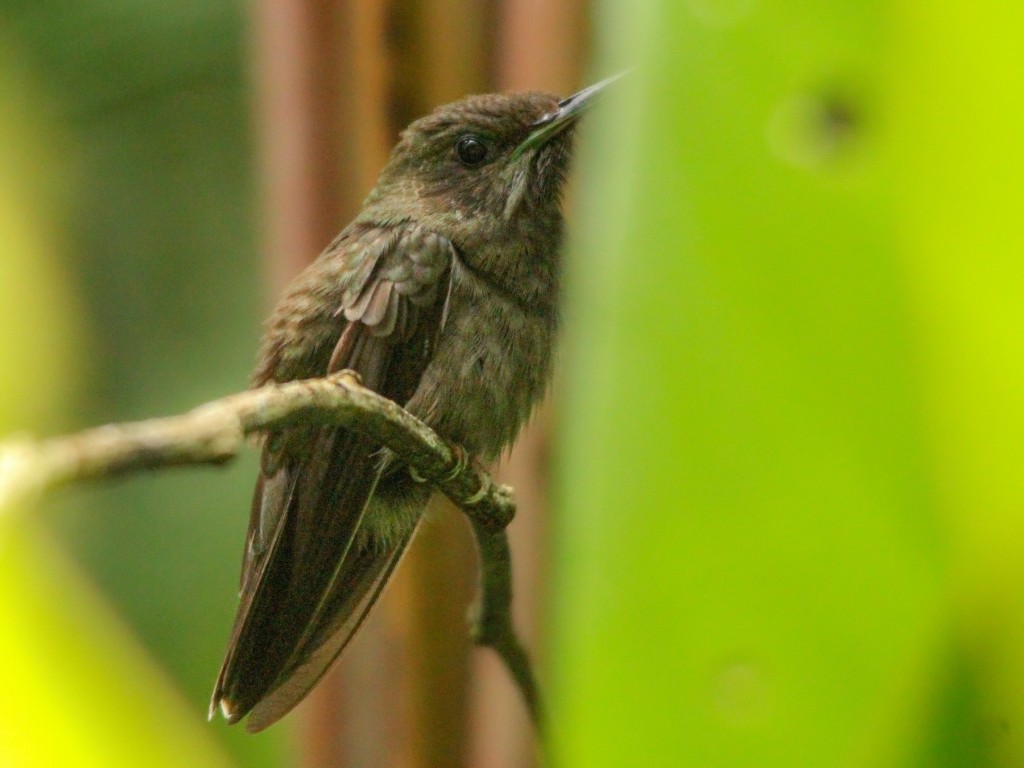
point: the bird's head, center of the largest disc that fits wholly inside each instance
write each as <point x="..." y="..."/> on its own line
<point x="482" y="167"/>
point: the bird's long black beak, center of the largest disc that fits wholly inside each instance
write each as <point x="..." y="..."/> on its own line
<point x="568" y="112"/>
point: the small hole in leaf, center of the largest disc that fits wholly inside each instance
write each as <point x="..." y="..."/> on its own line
<point x="813" y="130"/>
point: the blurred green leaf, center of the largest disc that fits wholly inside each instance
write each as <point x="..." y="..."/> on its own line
<point x="38" y="347"/>
<point x="958" y="160"/>
<point x="157" y="183"/>
<point x="76" y="689"/>
<point x="791" y="527"/>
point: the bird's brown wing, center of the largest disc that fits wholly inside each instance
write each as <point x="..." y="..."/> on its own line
<point x="305" y="585"/>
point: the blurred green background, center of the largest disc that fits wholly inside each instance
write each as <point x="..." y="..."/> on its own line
<point x="132" y="287"/>
<point x="792" y="518"/>
<point x="790" y="524"/>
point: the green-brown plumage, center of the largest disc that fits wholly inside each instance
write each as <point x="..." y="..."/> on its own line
<point x="443" y="295"/>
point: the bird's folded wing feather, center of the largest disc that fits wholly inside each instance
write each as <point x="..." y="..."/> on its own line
<point x="307" y="582"/>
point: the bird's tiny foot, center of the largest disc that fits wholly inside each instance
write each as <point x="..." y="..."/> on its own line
<point x="485" y="488"/>
<point x="462" y="460"/>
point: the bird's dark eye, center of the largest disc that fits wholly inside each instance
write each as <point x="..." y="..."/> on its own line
<point x="471" y="150"/>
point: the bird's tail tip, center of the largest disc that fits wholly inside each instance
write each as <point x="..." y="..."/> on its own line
<point x="227" y="709"/>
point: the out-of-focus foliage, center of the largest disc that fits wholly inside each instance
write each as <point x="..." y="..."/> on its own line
<point x="39" y="337"/>
<point x="792" y="528"/>
<point x="76" y="689"/>
<point x="157" y="309"/>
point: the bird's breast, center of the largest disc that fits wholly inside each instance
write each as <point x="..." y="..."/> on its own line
<point x="491" y="367"/>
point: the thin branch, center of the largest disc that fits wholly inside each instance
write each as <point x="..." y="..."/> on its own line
<point x="493" y="627"/>
<point x="214" y="433"/>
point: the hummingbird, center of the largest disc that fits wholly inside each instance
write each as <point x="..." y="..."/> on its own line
<point x="443" y="295"/>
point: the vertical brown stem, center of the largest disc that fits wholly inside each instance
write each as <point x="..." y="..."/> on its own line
<point x="294" y="77"/>
<point x="541" y="44"/>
